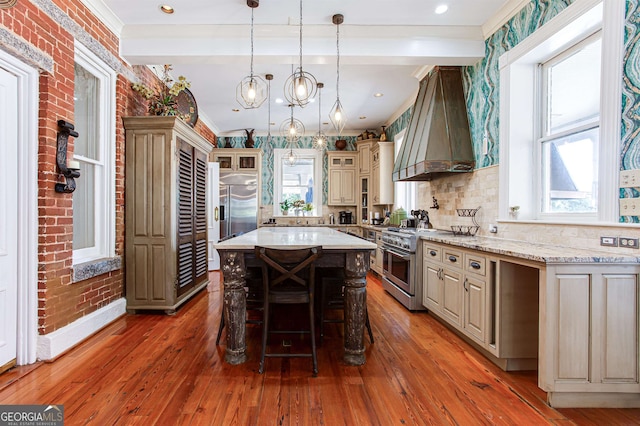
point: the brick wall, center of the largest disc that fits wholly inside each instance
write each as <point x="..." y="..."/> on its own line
<point x="60" y="302"/>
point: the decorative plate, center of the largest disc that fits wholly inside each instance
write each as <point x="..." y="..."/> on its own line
<point x="187" y="105"/>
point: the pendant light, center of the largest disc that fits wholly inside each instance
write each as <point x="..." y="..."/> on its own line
<point x="320" y="139"/>
<point x="269" y="77"/>
<point x="301" y="86"/>
<point x="292" y="129"/>
<point x="337" y="115"/>
<point x="250" y="93"/>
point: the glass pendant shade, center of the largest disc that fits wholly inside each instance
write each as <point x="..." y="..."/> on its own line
<point x="290" y="158"/>
<point x="251" y="92"/>
<point x="320" y="139"/>
<point x="300" y="88"/>
<point x="292" y="129"/>
<point x="338" y="117"/>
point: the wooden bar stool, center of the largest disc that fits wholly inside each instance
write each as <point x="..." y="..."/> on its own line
<point x="288" y="278"/>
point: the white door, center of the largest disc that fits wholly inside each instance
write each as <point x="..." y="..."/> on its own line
<point x="213" y="213"/>
<point x="8" y="217"/>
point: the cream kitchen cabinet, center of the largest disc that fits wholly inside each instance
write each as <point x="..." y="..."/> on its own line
<point x="455" y="288"/>
<point x="381" y="171"/>
<point x="342" y="178"/>
<point x="237" y="159"/>
<point x="364" y="156"/>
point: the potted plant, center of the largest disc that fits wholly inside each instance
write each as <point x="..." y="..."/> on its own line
<point x="307" y="208"/>
<point x="285" y="206"/>
<point x="297" y="205"/>
<point x="513" y="212"/>
<point x="162" y="99"/>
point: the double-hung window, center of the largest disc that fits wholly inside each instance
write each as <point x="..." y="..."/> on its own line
<point x="94" y="197"/>
<point x="570" y="136"/>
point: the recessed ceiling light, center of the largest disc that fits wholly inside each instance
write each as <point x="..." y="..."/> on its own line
<point x="279" y="100"/>
<point x="362" y="117"/>
<point x="378" y="95"/>
<point x="325" y="122"/>
<point x="235" y="110"/>
<point x="272" y="123"/>
<point x="441" y="9"/>
<point x="167" y="9"/>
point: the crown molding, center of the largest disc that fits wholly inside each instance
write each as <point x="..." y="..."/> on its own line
<point x="503" y="15"/>
<point x="105" y="15"/>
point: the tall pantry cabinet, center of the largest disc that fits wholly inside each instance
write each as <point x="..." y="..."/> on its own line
<point x="165" y="213"/>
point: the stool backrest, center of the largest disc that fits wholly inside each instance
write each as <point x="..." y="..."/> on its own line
<point x="288" y="266"/>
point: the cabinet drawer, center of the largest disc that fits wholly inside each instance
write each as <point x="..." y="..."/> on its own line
<point x="452" y="258"/>
<point x="431" y="252"/>
<point x="475" y="264"/>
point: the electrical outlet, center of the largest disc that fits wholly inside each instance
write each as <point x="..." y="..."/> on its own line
<point x="630" y="178"/>
<point x="629" y="206"/>
<point x="609" y="241"/>
<point x="629" y="242"/>
<point x="493" y="228"/>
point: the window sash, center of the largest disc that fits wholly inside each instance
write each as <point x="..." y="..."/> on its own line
<point x="278" y="187"/>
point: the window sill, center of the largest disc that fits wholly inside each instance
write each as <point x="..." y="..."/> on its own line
<point x="568" y="222"/>
<point x="93" y="268"/>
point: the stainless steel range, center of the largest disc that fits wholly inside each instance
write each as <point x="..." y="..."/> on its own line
<point x="402" y="268"/>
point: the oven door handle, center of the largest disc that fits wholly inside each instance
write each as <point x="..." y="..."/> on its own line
<point x="400" y="255"/>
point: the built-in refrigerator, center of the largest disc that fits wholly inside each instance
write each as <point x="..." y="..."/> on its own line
<point x="238" y="202"/>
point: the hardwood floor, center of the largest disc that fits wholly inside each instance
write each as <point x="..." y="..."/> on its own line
<point x="165" y="370"/>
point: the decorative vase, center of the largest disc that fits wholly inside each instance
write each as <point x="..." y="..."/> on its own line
<point x="383" y="134"/>
<point x="341" y="144"/>
<point x="285" y="212"/>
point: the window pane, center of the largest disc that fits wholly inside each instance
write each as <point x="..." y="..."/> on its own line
<point x="571" y="173"/>
<point x="574" y="89"/>
<point x="86" y="109"/>
<point x="297" y="180"/>
<point x="84" y="203"/>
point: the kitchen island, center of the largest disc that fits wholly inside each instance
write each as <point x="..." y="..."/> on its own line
<point x="339" y="250"/>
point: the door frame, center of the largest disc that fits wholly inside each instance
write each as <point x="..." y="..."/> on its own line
<point x="27" y="187"/>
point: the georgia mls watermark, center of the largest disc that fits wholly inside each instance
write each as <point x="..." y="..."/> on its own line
<point x="31" y="415"/>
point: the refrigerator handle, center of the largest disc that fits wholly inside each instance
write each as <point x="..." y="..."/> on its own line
<point x="215" y="214"/>
<point x="222" y="213"/>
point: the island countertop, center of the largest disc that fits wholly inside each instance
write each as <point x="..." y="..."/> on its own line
<point x="295" y="238"/>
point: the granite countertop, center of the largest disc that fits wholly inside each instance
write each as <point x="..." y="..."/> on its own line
<point x="537" y="252"/>
<point x="292" y="237"/>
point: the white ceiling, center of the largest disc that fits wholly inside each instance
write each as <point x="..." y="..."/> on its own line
<point x="385" y="47"/>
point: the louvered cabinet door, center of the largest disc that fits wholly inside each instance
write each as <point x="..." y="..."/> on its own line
<point x="200" y="234"/>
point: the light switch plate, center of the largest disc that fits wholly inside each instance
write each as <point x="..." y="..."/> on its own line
<point x="630" y="178"/>
<point x="629" y="206"/>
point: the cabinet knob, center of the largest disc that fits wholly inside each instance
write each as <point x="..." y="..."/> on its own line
<point x="475" y="265"/>
<point x="453" y="259"/>
<point x="433" y="253"/>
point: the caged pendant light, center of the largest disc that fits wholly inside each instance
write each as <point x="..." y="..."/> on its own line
<point x="250" y="93"/>
<point x="337" y="115"/>
<point x="320" y="139"/>
<point x="301" y="86"/>
<point x="291" y="130"/>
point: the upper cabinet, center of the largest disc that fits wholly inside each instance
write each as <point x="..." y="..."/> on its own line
<point x="381" y="171"/>
<point x="237" y="159"/>
<point x="342" y="178"/>
<point x="364" y="156"/>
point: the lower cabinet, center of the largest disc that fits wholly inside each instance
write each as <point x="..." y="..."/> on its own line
<point x="452" y="292"/>
<point x="593" y="326"/>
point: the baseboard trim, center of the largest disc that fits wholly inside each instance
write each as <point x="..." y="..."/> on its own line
<point x="53" y="344"/>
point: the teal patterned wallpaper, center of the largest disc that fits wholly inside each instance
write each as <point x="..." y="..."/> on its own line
<point x="280" y="142"/>
<point x="481" y="83"/>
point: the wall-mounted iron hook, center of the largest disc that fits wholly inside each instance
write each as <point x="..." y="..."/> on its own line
<point x="69" y="173"/>
<point x="435" y="204"/>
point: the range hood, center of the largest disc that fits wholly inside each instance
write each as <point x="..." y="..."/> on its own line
<point x="438" y="139"/>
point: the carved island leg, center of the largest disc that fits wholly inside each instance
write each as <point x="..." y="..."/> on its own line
<point x="355" y="297"/>
<point x="235" y="305"/>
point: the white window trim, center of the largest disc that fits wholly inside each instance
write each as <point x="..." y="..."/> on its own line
<point x="518" y="85"/>
<point x="408" y="188"/>
<point x="105" y="214"/>
<point x="278" y="153"/>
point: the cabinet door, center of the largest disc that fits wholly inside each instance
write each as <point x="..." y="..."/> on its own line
<point x="432" y="287"/>
<point x="226" y="161"/>
<point x="364" y="152"/>
<point x="375" y="183"/>
<point x="474" y="308"/>
<point x="452" y="297"/>
<point x="247" y="162"/>
<point x="348" y="187"/>
<point x="335" y="187"/>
